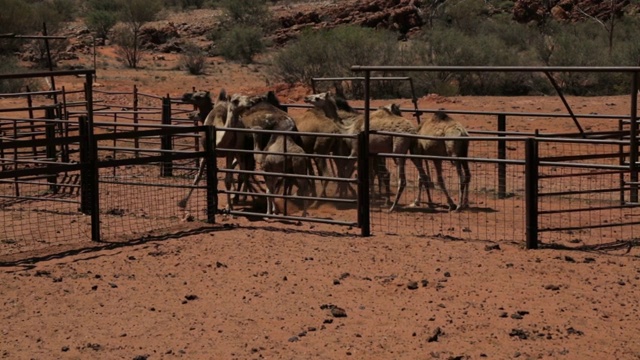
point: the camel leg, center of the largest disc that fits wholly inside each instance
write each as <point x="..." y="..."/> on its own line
<point x="438" y="166"/>
<point x="402" y="182"/>
<point x="321" y="164"/>
<point x="228" y="181"/>
<point x="423" y="180"/>
<point x="183" y="203"/>
<point x="464" y="174"/>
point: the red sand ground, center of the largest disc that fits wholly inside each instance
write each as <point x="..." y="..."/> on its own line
<point x="270" y="290"/>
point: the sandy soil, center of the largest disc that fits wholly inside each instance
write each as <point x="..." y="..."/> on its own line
<point x="270" y="290"/>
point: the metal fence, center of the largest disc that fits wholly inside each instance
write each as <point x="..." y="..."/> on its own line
<point x="91" y="170"/>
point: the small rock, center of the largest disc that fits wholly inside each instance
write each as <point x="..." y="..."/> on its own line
<point x="504" y="314"/>
<point x="94" y="287"/>
<point x="552" y="287"/>
<point x="327" y="321"/>
<point x="191" y="297"/>
<point x="572" y="331"/>
<point x="141" y="357"/>
<point x="447" y="274"/>
<point x="336" y="282"/>
<point x="338" y="312"/>
<point x="220" y="265"/>
<point x="65" y="349"/>
<point x="516" y="316"/>
<point x="569" y="259"/>
<point x="412" y="285"/>
<point x="434" y="336"/>
<point x="113" y="285"/>
<point x="294" y="339"/>
<point x="589" y="260"/>
<point x="492" y="247"/>
<point x="57" y="279"/>
<point x="424" y="282"/>
<point x="519" y="333"/>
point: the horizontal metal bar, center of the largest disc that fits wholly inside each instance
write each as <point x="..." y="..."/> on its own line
<point x="449" y="158"/>
<point x="33" y="182"/>
<point x="582" y="192"/>
<point x="498" y="68"/>
<point x="54" y="169"/>
<point x="33" y="37"/>
<point x="47" y="74"/>
<point x="146" y="184"/>
<point x="40" y="199"/>
<point x="584" y="157"/>
<point x="361" y="78"/>
<point x="290" y="154"/>
<point x="286" y="217"/>
<point x="143" y="160"/>
<point x="599" y="208"/>
<point x="584" y="166"/>
<point x="582" y="227"/>
<point x="285" y="175"/>
<point x="289" y="197"/>
<point x="597" y="173"/>
<point x="278" y="132"/>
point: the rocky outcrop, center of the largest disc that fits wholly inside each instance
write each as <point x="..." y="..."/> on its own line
<point x="400" y="15"/>
<point x="566" y="10"/>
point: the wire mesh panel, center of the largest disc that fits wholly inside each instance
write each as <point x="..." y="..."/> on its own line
<point x="40" y="187"/>
<point x="136" y="201"/>
<point x="495" y="212"/>
<point x="583" y="199"/>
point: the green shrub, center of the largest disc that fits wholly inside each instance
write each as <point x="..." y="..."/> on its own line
<point x="241" y="43"/>
<point x="331" y="53"/>
<point x="8" y="65"/>
<point x="193" y="59"/>
<point x="248" y="12"/>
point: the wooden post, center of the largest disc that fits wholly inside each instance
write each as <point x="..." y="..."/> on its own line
<point x="32" y="126"/>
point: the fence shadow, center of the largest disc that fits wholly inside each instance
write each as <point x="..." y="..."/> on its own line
<point x="30" y="259"/>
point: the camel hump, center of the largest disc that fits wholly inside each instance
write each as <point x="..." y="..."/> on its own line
<point x="440" y="115"/>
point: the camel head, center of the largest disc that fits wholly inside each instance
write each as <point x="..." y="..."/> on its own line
<point x="440" y="115"/>
<point x="320" y="99"/>
<point x="393" y="109"/>
<point x="198" y="98"/>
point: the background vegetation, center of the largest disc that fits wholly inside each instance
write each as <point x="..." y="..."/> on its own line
<point x="456" y="32"/>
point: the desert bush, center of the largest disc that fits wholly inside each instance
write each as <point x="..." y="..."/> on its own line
<point x="248" y="12"/>
<point x="66" y="9"/>
<point x="241" y="43"/>
<point x="126" y="45"/>
<point x="193" y="59"/>
<point x="330" y="53"/>
<point x="8" y="65"/>
<point x="101" y="16"/>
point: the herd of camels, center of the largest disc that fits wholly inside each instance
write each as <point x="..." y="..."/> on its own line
<point x="330" y="114"/>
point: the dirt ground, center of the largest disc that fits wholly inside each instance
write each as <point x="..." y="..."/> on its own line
<point x="270" y="290"/>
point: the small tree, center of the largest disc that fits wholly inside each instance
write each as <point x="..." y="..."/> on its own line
<point x="134" y="14"/>
<point x="241" y="43"/>
<point x="193" y="59"/>
<point x="101" y="16"/>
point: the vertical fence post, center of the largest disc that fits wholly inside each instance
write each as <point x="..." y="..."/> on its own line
<point x="85" y="170"/>
<point x="621" y="159"/>
<point x="531" y="192"/>
<point x="364" y="214"/>
<point x="165" y="140"/>
<point x="51" y="154"/>
<point x="16" y="184"/>
<point x="633" y="142"/>
<point x="32" y="126"/>
<point x="92" y="153"/>
<point x="136" y="140"/>
<point x="502" y="155"/>
<point x="212" y="173"/>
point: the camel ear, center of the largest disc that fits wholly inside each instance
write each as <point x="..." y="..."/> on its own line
<point x="223" y="95"/>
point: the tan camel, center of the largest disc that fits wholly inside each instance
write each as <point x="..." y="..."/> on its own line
<point x="385" y="119"/>
<point x="259" y="114"/>
<point x="217" y="117"/>
<point x="442" y="125"/>
<point x="202" y="101"/>
<point x="338" y="108"/>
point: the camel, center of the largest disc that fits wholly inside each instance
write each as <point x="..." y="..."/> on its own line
<point x="385" y="119"/>
<point x="442" y="125"/>
<point x="322" y="121"/>
<point x="337" y="108"/>
<point x="202" y="102"/>
<point x="217" y="116"/>
<point x="259" y="113"/>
